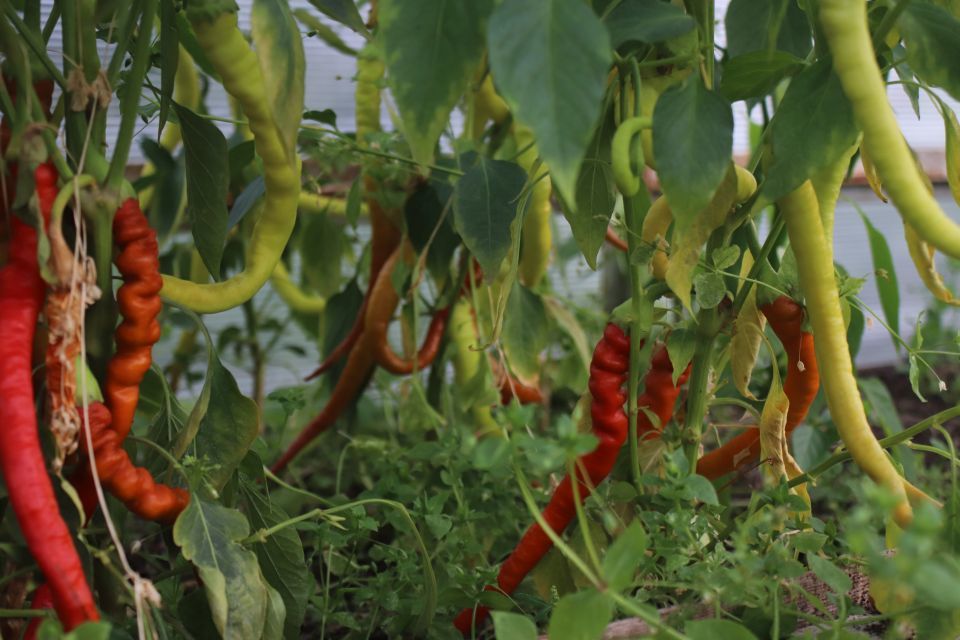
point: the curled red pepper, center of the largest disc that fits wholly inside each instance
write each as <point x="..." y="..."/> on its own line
<point x="608" y="373"/>
<point x="800" y="386"/>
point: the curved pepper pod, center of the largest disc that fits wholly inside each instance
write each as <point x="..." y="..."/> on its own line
<point x="133" y="486"/>
<point x="139" y="302"/>
<point x="800" y="386"/>
<point x="21" y="458"/>
<point x="608" y="373"/>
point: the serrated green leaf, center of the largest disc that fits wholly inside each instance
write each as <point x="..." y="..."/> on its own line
<point x="690" y="121"/>
<point x="513" y="626"/>
<point x="485" y="205"/>
<point x="725" y="257"/>
<point x="430" y="49"/>
<point x="550" y="61"/>
<point x="282" y="64"/>
<point x="624" y="556"/>
<point x="208" y="181"/>
<point x="701" y="490"/>
<point x="208" y="535"/>
<point x="710" y="289"/>
<point x="580" y="616"/>
<point x="813" y="126"/>
<point x="647" y="21"/>
<point x="833" y="576"/>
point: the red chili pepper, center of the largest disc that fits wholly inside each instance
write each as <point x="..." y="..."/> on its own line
<point x="384" y="240"/>
<point x="615" y="241"/>
<point x="800" y="386"/>
<point x="511" y="388"/>
<point x="133" y="486"/>
<point x="139" y="302"/>
<point x="608" y="373"/>
<point x="42" y="599"/>
<point x="21" y="458"/>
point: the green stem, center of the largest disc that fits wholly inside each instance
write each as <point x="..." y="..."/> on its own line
<point x="33" y="41"/>
<point x="127" y="18"/>
<point x="758" y="261"/>
<point x="707" y="329"/>
<point x="51" y="23"/>
<point x="25" y="613"/>
<point x="642" y="309"/>
<point x="131" y="98"/>
<point x="886" y="443"/>
<point x="627" y="605"/>
<point x="101" y="320"/>
<point x="888" y="22"/>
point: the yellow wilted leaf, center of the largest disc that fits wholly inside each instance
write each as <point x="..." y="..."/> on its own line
<point x="688" y="241"/>
<point x="922" y="255"/>
<point x="747" y="335"/>
<point x="773" y="423"/>
<point x="871" y="172"/>
<point x="774" y="447"/>
<point x="655" y="225"/>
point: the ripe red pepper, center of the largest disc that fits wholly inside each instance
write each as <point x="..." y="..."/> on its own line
<point x="42" y="599"/>
<point x="608" y="373"/>
<point x="21" y="458"/>
<point x="132" y="485"/>
<point x="800" y="386"/>
<point x="139" y="302"/>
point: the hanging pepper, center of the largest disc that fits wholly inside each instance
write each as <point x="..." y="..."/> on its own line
<point x="608" y="373"/>
<point x="21" y="458"/>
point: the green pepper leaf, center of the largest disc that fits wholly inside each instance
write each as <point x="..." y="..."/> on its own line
<point x="580" y="616"/>
<point x="647" y="21"/>
<point x="281" y="557"/>
<point x="208" y="180"/>
<point x="596" y="195"/>
<point x="757" y="73"/>
<point x="513" y="626"/>
<point x="624" y="556"/>
<point x="930" y="33"/>
<point x="886" y="277"/>
<point x="208" y="535"/>
<point x="550" y="60"/>
<point x="525" y="331"/>
<point x="485" y="205"/>
<point x="691" y="121"/>
<point x="765" y="26"/>
<point x="813" y="126"/>
<point x="343" y="11"/>
<point x="431" y="50"/>
<point x="169" y="57"/>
